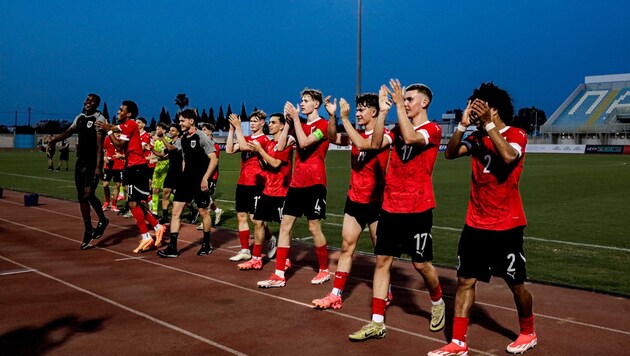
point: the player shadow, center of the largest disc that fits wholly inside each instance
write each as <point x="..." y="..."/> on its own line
<point x="113" y="239"/>
<point x="478" y="314"/>
<point x="39" y="340"/>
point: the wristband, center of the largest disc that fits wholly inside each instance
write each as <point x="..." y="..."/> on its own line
<point x="461" y="128"/>
<point x="110" y="132"/>
<point x="489" y="126"/>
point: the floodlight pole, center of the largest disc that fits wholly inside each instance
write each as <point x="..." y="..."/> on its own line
<point x="356" y="124"/>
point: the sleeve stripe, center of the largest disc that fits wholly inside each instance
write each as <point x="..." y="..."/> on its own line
<point x="425" y="134"/>
<point x="518" y="148"/>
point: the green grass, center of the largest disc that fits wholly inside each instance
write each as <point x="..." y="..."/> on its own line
<point x="576" y="199"/>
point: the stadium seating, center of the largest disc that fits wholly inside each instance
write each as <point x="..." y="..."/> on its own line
<point x="595" y="111"/>
<point x="592" y="107"/>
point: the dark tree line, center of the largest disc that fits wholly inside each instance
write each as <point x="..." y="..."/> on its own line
<point x="528" y="119"/>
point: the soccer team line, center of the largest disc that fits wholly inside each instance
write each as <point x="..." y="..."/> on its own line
<point x="612" y="248"/>
<point x="251" y="290"/>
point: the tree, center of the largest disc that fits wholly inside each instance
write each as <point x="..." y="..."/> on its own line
<point x="211" y="116"/>
<point x="204" y="116"/>
<point x="243" y="111"/>
<point x="530" y="119"/>
<point x="458" y="114"/>
<point x="165" y="117"/>
<point x="222" y="123"/>
<point x="105" y="111"/>
<point x="152" y="125"/>
<point x="52" y="126"/>
<point x="229" y="112"/>
<point x="181" y="100"/>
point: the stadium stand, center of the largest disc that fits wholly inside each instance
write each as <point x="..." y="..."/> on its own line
<point x="597" y="112"/>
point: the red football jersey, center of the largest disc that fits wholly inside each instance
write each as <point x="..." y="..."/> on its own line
<point x="251" y="170"/>
<point x="495" y="202"/>
<point x="133" y="152"/>
<point x="277" y="180"/>
<point x="147" y="147"/>
<point x="367" y="177"/>
<point x="310" y="164"/>
<point x="215" y="174"/>
<point x="110" y="150"/>
<point x="408" y="183"/>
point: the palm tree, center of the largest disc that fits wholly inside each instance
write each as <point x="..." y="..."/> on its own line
<point x="181" y="100"/>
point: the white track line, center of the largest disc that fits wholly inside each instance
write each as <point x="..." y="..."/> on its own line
<point x="612" y="248"/>
<point x="255" y="291"/>
<point x="309" y="305"/>
<point x="131" y="310"/>
<point x="15" y="271"/>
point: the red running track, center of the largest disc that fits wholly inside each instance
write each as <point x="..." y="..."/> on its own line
<point x="58" y="299"/>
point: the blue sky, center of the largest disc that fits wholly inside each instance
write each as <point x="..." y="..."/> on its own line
<point x="53" y="53"/>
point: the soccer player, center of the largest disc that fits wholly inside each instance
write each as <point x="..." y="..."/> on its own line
<point x="136" y="177"/>
<point x="208" y="129"/>
<point x="114" y="167"/>
<point x="50" y="153"/>
<point x="367" y="180"/>
<point x="251" y="181"/>
<point x="406" y="218"/>
<point x="173" y="176"/>
<point x="307" y="191"/>
<point x="277" y="170"/>
<point x="491" y="243"/>
<point x="89" y="165"/>
<point x="64" y="154"/>
<point x="160" y="156"/>
<point x="147" y="151"/>
<point x="200" y="160"/>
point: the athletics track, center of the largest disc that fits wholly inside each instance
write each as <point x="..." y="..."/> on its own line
<point x="58" y="299"/>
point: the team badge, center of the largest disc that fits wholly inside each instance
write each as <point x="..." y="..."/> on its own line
<point x="193" y="144"/>
<point x="89" y="124"/>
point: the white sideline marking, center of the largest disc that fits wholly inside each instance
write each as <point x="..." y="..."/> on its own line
<point x="16" y="271"/>
<point x="128" y="258"/>
<point x="36" y="177"/>
<point x="565" y="320"/>
<point x="612" y="248"/>
<point x="131" y="310"/>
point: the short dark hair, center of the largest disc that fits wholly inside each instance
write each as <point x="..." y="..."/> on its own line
<point x="144" y="121"/>
<point x="162" y="125"/>
<point x="422" y="89"/>
<point x="496" y="98"/>
<point x="132" y="108"/>
<point x="367" y="99"/>
<point x="208" y="126"/>
<point x="174" y="126"/>
<point x="280" y="117"/>
<point x="314" y="94"/>
<point x="189" y="114"/>
<point x="97" y="98"/>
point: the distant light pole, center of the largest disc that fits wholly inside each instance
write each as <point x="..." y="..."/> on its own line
<point x="356" y="124"/>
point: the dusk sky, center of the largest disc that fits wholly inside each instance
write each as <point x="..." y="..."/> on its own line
<point x="263" y="53"/>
